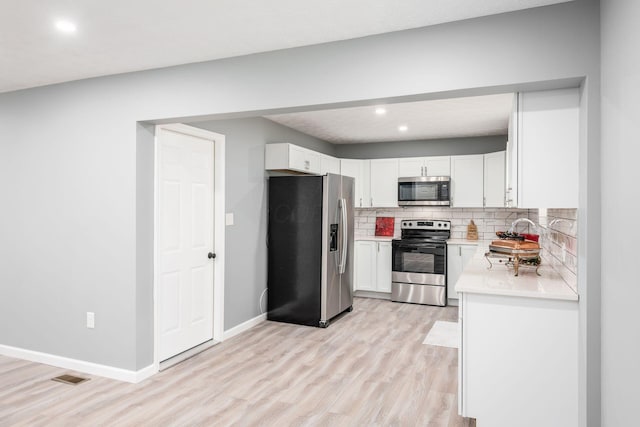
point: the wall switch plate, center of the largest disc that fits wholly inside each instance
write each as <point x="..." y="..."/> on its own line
<point x="229" y="219"/>
<point x="91" y="320"/>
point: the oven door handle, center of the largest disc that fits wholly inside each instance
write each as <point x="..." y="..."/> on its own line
<point x="419" y="246"/>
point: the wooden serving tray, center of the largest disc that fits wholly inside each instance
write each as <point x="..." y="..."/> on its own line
<point x="516" y="244"/>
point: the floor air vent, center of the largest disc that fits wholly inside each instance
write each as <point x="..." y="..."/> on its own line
<point x="70" y="379"/>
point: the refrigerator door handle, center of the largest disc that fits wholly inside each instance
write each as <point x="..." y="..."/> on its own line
<point x="345" y="236"/>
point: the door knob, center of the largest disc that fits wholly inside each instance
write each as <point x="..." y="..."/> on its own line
<point x="211" y="255"/>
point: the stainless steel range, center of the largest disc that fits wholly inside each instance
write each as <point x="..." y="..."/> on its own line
<point x="419" y="272"/>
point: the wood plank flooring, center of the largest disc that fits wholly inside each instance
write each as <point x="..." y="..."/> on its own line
<point x="369" y="368"/>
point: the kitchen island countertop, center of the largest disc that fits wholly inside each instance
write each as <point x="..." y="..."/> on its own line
<point x="500" y="280"/>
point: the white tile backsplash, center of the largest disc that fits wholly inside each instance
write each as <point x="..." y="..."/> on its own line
<point x="488" y="220"/>
<point x="559" y="241"/>
<point x="558" y="229"/>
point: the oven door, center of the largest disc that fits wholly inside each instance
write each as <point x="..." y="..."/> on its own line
<point x="419" y="257"/>
<point x="419" y="272"/>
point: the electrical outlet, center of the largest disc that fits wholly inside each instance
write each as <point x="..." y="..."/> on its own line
<point x="91" y="320"/>
<point x="229" y="219"/>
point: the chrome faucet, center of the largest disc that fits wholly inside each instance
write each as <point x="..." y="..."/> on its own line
<point x="519" y="220"/>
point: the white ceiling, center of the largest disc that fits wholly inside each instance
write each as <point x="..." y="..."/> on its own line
<point x="446" y="118"/>
<point x="116" y="36"/>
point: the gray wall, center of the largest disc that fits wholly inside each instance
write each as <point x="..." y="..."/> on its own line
<point x="432" y="147"/>
<point x="70" y="229"/>
<point x="620" y="206"/>
<point x="246" y="198"/>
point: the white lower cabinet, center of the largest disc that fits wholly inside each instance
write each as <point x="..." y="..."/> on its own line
<point x="372" y="266"/>
<point x="458" y="256"/>
<point x="518" y="361"/>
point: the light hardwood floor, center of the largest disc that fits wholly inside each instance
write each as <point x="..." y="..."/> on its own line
<point x="369" y="368"/>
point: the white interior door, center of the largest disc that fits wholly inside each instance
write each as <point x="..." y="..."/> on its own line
<point x="185" y="221"/>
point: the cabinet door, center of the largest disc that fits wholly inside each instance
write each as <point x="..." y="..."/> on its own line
<point x="384" y="182"/>
<point x="467" y="181"/>
<point x="365" y="271"/>
<point x="548" y="136"/>
<point x="303" y="160"/>
<point x="467" y="252"/>
<point x="454" y="269"/>
<point x="383" y="267"/>
<point x="329" y="164"/>
<point x="411" y="166"/>
<point x="511" y="172"/>
<point x="437" y="166"/>
<point x="494" y="164"/>
<point x="354" y="169"/>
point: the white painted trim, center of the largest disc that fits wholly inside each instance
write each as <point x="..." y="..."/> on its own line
<point x="218" y="232"/>
<point x="245" y="326"/>
<point x="373" y="294"/>
<point x="79" y="365"/>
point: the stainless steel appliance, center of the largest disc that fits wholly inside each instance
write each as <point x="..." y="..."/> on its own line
<point x="419" y="265"/>
<point x="424" y="191"/>
<point x="310" y="238"/>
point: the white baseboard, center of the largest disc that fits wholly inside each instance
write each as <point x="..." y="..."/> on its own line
<point x="245" y="326"/>
<point x="79" y="365"/>
<point x="373" y="294"/>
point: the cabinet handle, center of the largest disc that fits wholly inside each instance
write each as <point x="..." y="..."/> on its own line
<point x="371" y="202"/>
<point x="459" y="250"/>
<point x="484" y="201"/>
<point x="307" y="164"/>
<point x="425" y="171"/>
<point x="360" y="201"/>
<point x="378" y="246"/>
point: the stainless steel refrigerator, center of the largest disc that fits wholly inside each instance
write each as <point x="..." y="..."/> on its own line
<point x="310" y="239"/>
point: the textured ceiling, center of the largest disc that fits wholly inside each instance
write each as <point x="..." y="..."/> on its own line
<point x="446" y="118"/>
<point x="117" y="36"/>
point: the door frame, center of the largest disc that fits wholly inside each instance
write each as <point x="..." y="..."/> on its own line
<point x="218" y="229"/>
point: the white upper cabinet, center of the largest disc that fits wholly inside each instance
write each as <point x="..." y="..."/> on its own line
<point x="511" y="167"/>
<point x="329" y="164"/>
<point x="424" y="166"/>
<point x="384" y="183"/>
<point x="467" y="181"/>
<point x="437" y="166"/>
<point x="359" y="171"/>
<point x="411" y="166"/>
<point x="494" y="175"/>
<point x="289" y="157"/>
<point x="547" y="149"/>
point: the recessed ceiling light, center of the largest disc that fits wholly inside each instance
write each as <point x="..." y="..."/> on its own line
<point x="66" y="26"/>
<point x="381" y="111"/>
<point x="403" y="128"/>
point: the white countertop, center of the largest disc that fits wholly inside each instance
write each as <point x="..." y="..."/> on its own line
<point x="375" y="238"/>
<point x="463" y="242"/>
<point x="388" y="239"/>
<point x="500" y="280"/>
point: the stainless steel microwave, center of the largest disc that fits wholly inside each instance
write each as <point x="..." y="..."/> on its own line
<point x="424" y="191"/>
